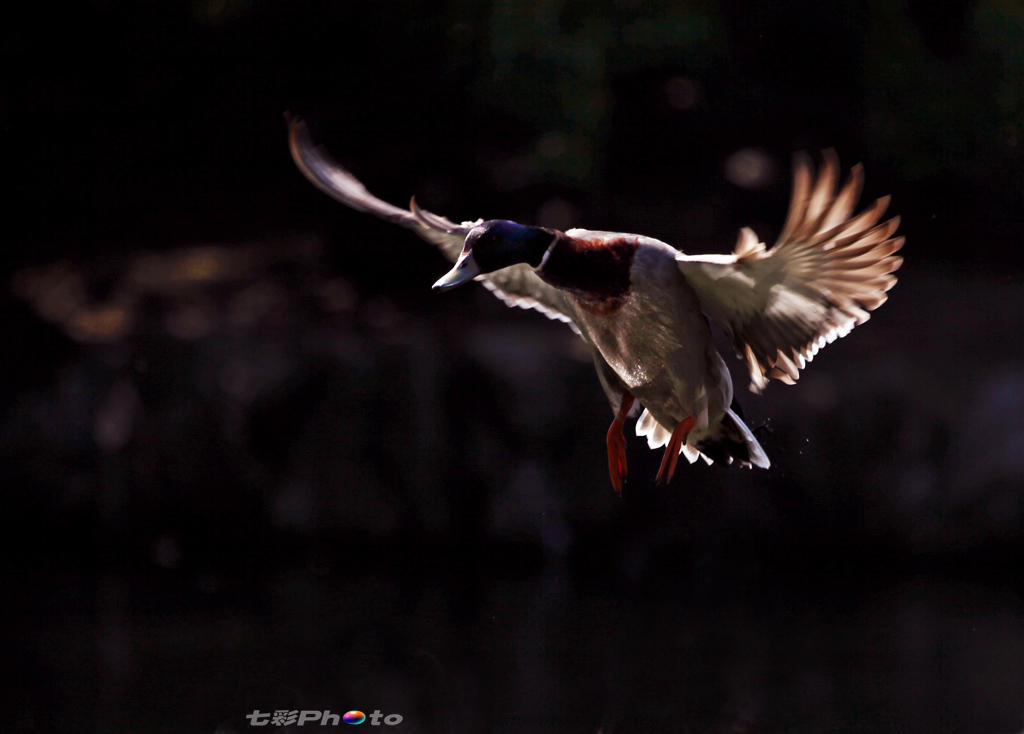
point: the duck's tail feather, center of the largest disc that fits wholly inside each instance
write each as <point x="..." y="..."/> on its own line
<point x="731" y="440"/>
<point x="734" y="441"/>
<point x="657" y="435"/>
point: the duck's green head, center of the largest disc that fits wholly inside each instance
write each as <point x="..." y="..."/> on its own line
<point x="494" y="245"/>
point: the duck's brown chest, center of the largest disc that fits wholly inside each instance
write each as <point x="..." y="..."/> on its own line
<point x="595" y="272"/>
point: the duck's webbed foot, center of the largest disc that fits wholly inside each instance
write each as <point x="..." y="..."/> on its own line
<point x="617" y="444"/>
<point x="675" y="443"/>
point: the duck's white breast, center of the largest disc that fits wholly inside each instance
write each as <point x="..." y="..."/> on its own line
<point x="657" y="341"/>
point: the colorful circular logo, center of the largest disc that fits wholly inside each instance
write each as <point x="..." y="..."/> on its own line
<point x="354" y="717"/>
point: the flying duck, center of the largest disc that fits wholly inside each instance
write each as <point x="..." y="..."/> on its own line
<point x="640" y="304"/>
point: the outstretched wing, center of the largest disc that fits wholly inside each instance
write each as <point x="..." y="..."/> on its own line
<point x="517" y="285"/>
<point x="827" y="270"/>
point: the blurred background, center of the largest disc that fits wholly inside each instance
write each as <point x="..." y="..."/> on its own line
<point x="250" y="460"/>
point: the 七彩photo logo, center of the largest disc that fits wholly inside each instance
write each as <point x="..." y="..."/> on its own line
<point x="284" y="717"/>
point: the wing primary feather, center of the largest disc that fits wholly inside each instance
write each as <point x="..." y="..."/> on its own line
<point x="803" y="171"/>
<point x="847" y="199"/>
<point x="823" y="196"/>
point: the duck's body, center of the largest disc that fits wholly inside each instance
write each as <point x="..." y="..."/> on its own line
<point x="641" y="304"/>
<point x="649" y="339"/>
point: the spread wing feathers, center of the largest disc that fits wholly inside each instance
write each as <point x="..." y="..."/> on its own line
<point x="324" y="173"/>
<point x="517" y="285"/>
<point x="779" y="306"/>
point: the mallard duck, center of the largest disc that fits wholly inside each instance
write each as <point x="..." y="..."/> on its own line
<point x="640" y="304"/>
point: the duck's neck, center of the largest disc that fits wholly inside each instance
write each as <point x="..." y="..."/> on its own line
<point x="592" y="269"/>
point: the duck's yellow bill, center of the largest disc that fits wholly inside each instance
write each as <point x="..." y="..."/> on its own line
<point x="465" y="269"/>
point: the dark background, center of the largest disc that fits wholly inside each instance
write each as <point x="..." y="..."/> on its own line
<point x="251" y="461"/>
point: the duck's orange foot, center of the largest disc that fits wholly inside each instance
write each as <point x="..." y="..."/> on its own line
<point x="675" y="443"/>
<point x="617" y="444"/>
